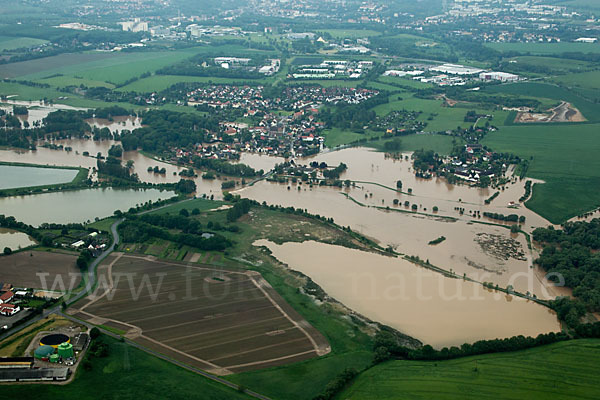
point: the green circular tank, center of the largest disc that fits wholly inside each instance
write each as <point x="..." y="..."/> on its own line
<point x="54" y="358"/>
<point x="43" y="352"/>
<point x="65" y="350"/>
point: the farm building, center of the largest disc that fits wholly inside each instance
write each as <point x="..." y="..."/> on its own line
<point x="31" y="374"/>
<point x="80" y="341"/>
<point x="6" y="297"/>
<point x="16" y="362"/>
<point x="9" y="309"/>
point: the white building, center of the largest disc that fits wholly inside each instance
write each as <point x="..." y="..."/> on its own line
<point x="498" y="76"/>
<point x="586" y="40"/>
<point x="134" y="26"/>
<point x="454" y="69"/>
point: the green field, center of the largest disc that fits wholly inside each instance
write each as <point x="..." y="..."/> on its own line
<point x="546" y="48"/>
<point x="200" y="204"/>
<point x="592" y="5"/>
<point x="11" y="43"/>
<point x="588" y="80"/>
<point x="63" y="81"/>
<point x="111" y="67"/>
<point x="555" y="65"/>
<point x="567" y="370"/>
<point x="565" y="157"/>
<point x="162" y="82"/>
<point x="541" y="90"/>
<point x="128" y="373"/>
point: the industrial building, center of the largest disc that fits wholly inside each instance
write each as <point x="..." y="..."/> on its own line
<point x="454" y="69"/>
<point x="32" y="375"/>
<point x="498" y="76"/>
<point x="21" y="369"/>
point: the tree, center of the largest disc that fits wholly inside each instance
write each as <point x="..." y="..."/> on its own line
<point x="7" y="251"/>
<point x="514" y="229"/>
<point x="399" y="185"/>
<point x="485" y="181"/>
<point x="129" y="164"/>
<point x="115" y="150"/>
<point x="94" y="333"/>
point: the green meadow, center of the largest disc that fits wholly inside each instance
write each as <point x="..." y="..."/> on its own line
<point x="543" y="90"/>
<point x="565" y="156"/>
<point x="546" y="48"/>
<point x="162" y="82"/>
<point x="110" y="67"/>
<point x="562" y="371"/>
<point x="128" y="373"/>
<point x="12" y="43"/>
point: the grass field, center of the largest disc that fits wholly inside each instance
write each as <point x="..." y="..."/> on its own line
<point x="565" y="157"/>
<point x="556" y="65"/>
<point x="546" y="48"/>
<point x="200" y="204"/>
<point x="561" y="371"/>
<point x="541" y="90"/>
<point x="11" y="43"/>
<point x="162" y="82"/>
<point x="588" y="80"/>
<point x="216" y="319"/>
<point x="110" y="67"/>
<point x="63" y="81"/>
<point x="128" y="373"/>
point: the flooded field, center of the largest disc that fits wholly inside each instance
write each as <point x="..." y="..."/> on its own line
<point x="371" y="169"/>
<point x="76" y="206"/>
<point x="14" y="239"/>
<point x="117" y="124"/>
<point x="436" y="310"/>
<point x="38" y="110"/>
<point x="486" y="253"/>
<point x="75" y="158"/>
<point x="19" y="176"/>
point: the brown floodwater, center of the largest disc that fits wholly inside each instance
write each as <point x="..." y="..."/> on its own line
<point x="479" y="250"/>
<point x="75" y="158"/>
<point x="14" y="239"/>
<point x="436" y="310"/>
<point x="37" y="110"/>
<point x="371" y="166"/>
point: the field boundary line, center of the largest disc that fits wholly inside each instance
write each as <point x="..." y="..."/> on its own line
<point x="261" y="283"/>
<point x="268" y="361"/>
<point x="259" y="348"/>
<point x="110" y="282"/>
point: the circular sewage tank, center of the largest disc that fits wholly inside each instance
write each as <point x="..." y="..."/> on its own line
<point x="65" y="350"/>
<point x="54" y="340"/>
<point x="43" y="352"/>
